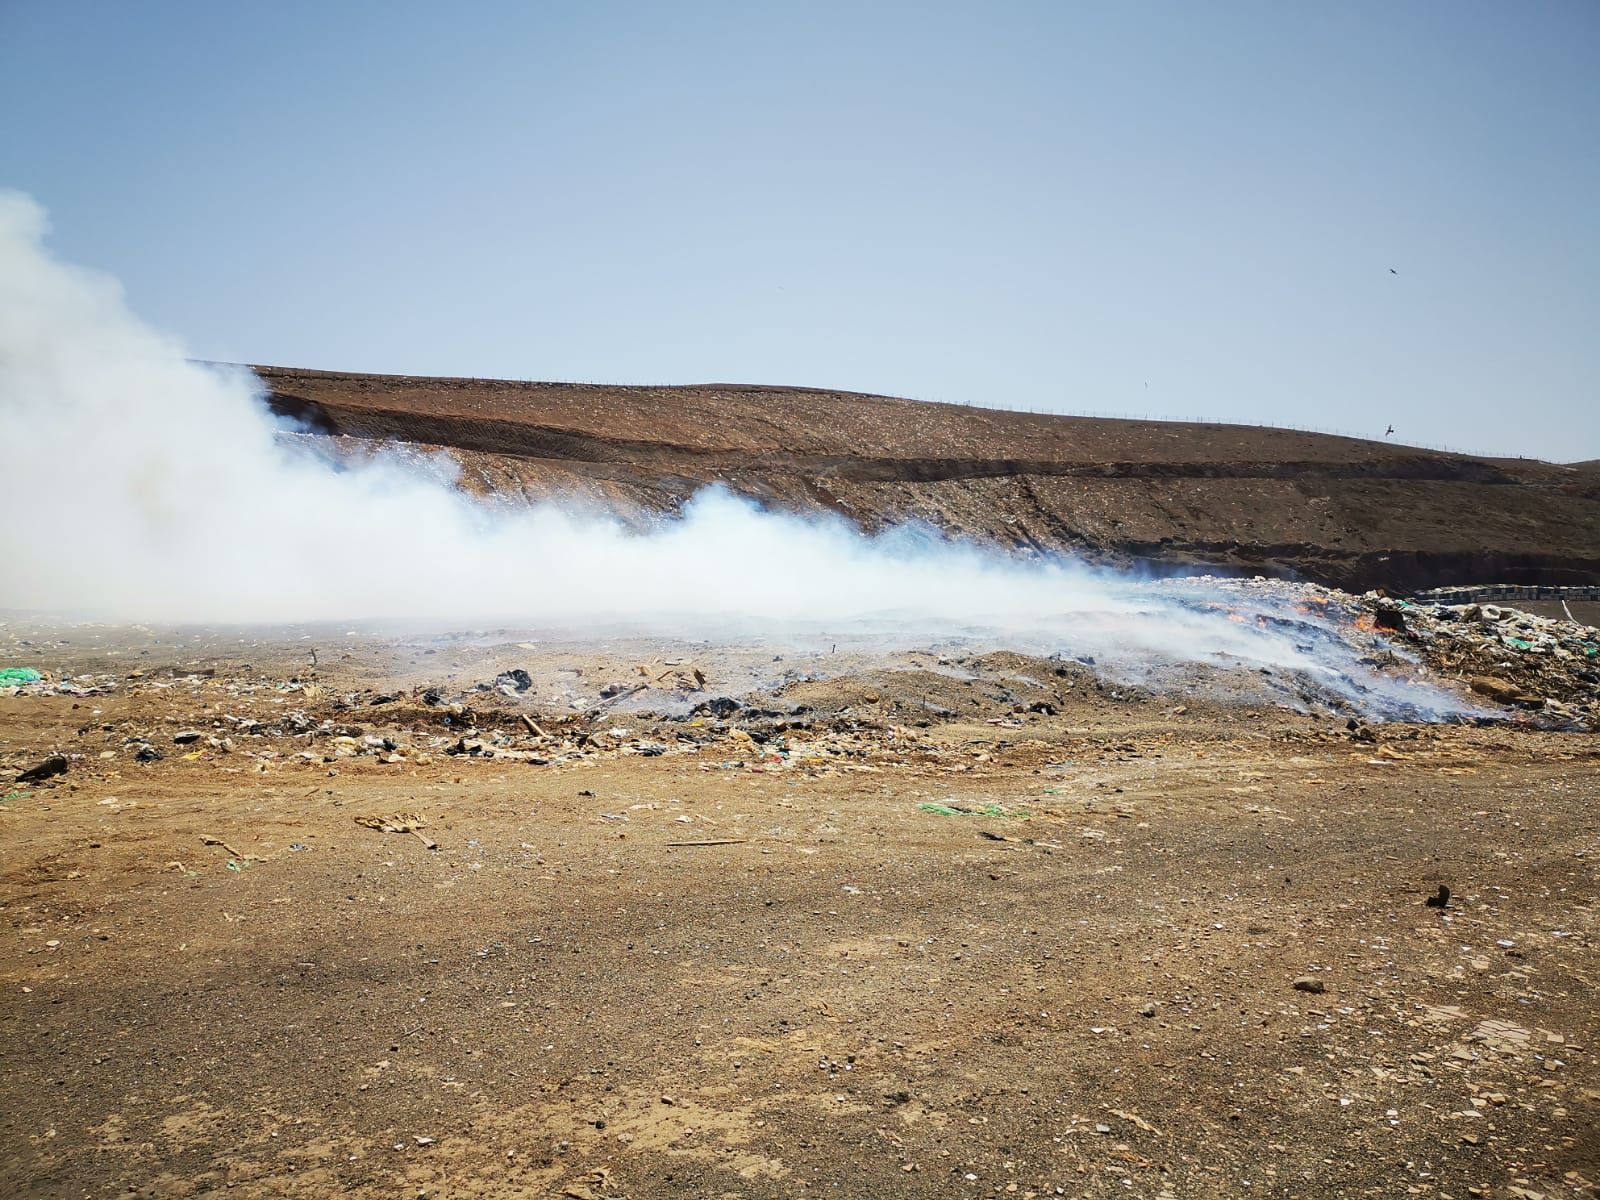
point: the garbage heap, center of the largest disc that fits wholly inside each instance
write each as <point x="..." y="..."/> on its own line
<point x="1516" y="659"/>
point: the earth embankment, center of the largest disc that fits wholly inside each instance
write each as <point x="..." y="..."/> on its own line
<point x="1340" y="511"/>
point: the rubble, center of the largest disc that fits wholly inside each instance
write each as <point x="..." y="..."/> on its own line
<point x="517" y="679"/>
<point x="1487" y="663"/>
<point x="1519" y="660"/>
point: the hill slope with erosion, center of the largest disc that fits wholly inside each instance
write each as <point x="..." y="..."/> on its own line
<point x="1339" y="511"/>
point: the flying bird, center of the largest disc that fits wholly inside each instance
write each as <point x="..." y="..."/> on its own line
<point x="1392" y="271"/>
<point x="1388" y="431"/>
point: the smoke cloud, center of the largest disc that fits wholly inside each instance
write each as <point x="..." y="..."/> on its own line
<point x="139" y="485"/>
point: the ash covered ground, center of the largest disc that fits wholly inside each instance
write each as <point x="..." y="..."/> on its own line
<point x="312" y="911"/>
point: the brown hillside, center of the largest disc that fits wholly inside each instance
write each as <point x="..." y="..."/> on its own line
<point x="1341" y="511"/>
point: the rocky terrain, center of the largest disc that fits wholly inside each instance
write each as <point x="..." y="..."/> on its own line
<point x="1339" y="511"/>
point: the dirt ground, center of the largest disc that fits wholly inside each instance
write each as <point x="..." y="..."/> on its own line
<point x="912" y="927"/>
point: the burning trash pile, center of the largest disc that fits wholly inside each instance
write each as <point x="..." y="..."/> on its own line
<point x="1402" y="660"/>
<point x="1511" y="658"/>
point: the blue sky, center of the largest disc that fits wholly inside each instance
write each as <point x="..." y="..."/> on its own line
<point x="1166" y="209"/>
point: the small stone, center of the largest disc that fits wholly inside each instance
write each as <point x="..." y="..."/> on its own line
<point x="1310" y="983"/>
<point x="1149" y="1010"/>
<point x="186" y="736"/>
<point x="56" y="764"/>
<point x="1495" y="689"/>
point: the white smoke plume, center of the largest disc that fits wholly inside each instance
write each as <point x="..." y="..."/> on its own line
<point x="139" y="485"/>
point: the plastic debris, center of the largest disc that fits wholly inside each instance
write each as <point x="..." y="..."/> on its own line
<point x="959" y="810"/>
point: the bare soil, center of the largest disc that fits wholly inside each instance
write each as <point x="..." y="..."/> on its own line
<point x="1340" y="511"/>
<point x="736" y="956"/>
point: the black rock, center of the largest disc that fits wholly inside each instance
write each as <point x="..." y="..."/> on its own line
<point x="56" y="764"/>
<point x="720" y="707"/>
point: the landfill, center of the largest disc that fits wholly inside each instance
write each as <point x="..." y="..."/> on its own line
<point x="568" y="917"/>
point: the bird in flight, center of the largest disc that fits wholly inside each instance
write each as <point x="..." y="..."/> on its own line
<point x="1392" y="271"/>
<point x="1388" y="431"/>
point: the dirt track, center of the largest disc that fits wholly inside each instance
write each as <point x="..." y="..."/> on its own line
<point x="1084" y="983"/>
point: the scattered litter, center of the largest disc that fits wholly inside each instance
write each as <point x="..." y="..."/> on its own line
<point x="1133" y="1119"/>
<point x="990" y="836"/>
<point x="712" y="842"/>
<point x="1513" y="658"/>
<point x="959" y="810"/>
<point x="516" y="679"/>
<point x="614" y="697"/>
<point x="207" y="840"/>
<point x="411" y="823"/>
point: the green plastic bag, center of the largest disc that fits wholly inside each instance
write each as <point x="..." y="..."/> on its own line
<point x="987" y="810"/>
<point x="12" y="676"/>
